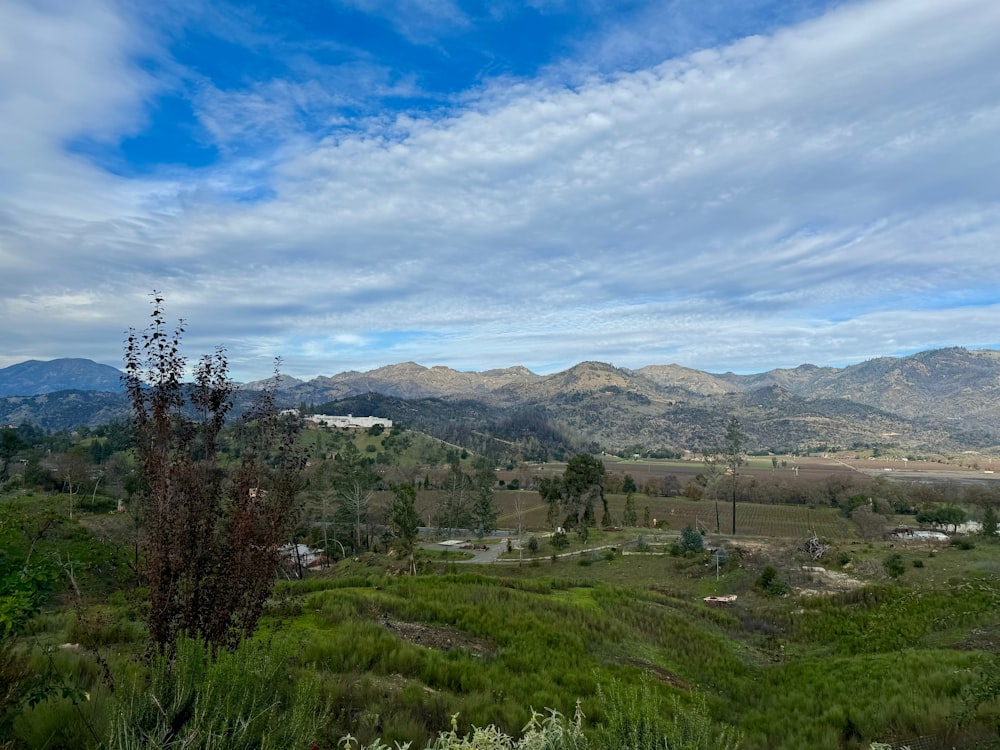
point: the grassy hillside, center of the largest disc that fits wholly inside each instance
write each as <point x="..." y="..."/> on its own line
<point x="822" y="659"/>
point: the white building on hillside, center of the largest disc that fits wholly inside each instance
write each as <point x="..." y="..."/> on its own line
<point x="350" y="420"/>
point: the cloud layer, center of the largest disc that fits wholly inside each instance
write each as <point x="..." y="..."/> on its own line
<point x="823" y="192"/>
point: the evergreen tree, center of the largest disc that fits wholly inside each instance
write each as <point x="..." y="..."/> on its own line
<point x="484" y="510"/>
<point x="629" y="519"/>
<point x="405" y="523"/>
<point x="354" y="483"/>
<point x="989" y="522"/>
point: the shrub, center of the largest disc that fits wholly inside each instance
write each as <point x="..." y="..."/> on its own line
<point x="894" y="565"/>
<point x="246" y="696"/>
<point x="770" y="583"/>
<point x="691" y="540"/>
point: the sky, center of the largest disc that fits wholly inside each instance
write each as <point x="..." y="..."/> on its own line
<point x="346" y="184"/>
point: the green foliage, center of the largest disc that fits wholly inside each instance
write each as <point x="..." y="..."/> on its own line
<point x="405" y="522"/>
<point x="770" y="582"/>
<point x="10" y="445"/>
<point x="636" y="718"/>
<point x="691" y="540"/>
<point x="583" y="483"/>
<point x="894" y="565"/>
<point x="21" y="594"/>
<point x="245" y="698"/>
<point x="484" y="511"/>
<point x="629" y="517"/>
<point x="551" y="732"/>
<point x="354" y="484"/>
<point x="633" y="718"/>
<point x="559" y="540"/>
<point x="884" y="619"/>
<point x="942" y="515"/>
<point x="20" y="597"/>
<point x="989" y="528"/>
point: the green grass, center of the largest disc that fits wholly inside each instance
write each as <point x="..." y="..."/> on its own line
<point x="395" y="656"/>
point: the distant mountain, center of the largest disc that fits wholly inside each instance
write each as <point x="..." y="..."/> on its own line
<point x="409" y="380"/>
<point x="64" y="409"/>
<point x="34" y="377"/>
<point x="942" y="400"/>
<point x="946" y="399"/>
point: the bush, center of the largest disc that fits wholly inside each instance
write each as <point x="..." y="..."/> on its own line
<point x="894" y="565"/>
<point x="532" y="544"/>
<point x="691" y="540"/>
<point x="770" y="583"/>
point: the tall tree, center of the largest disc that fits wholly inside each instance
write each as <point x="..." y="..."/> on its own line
<point x="629" y="517"/>
<point x="583" y="481"/>
<point x="484" y="510"/>
<point x="551" y="490"/>
<point x="405" y="522"/>
<point x="709" y="480"/>
<point x="10" y="445"/>
<point x="354" y="483"/>
<point x="212" y="528"/>
<point x="989" y="528"/>
<point x="454" y="511"/>
<point x="734" y="446"/>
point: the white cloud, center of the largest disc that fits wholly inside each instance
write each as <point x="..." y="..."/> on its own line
<point x="64" y="77"/>
<point x="826" y="193"/>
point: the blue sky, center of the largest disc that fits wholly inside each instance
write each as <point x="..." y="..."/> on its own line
<point x="728" y="185"/>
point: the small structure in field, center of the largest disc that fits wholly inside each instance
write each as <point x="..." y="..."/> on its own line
<point x="721" y="600"/>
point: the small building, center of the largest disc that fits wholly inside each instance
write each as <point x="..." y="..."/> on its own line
<point x="350" y="421"/>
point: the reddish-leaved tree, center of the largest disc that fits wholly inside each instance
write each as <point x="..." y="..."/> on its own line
<point x="213" y="523"/>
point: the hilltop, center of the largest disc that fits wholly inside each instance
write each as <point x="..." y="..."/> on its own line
<point x="940" y="400"/>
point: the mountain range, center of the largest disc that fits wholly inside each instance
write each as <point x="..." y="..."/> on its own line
<point x="941" y="400"/>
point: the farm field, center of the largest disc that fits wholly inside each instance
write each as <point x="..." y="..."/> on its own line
<point x="753" y="519"/>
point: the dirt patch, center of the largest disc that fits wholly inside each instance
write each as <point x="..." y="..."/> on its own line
<point x="980" y="639"/>
<point x="438" y="637"/>
<point x="661" y="674"/>
<point x="827" y="581"/>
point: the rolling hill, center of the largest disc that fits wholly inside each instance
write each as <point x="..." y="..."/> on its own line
<point x="941" y="400"/>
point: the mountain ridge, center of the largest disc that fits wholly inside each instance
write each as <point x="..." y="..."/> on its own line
<point x="944" y="399"/>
